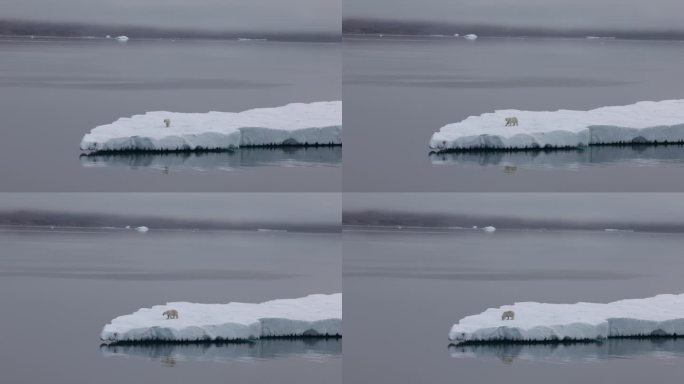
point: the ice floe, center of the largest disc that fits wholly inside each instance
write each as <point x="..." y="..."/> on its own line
<point x="296" y="124"/>
<point x="661" y="315"/>
<point x="311" y="316"/>
<point x="640" y="123"/>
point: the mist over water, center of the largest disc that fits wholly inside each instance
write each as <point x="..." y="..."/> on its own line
<point x="615" y="213"/>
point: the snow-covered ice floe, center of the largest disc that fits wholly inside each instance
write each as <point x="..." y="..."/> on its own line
<point x="295" y="124"/>
<point x="657" y="316"/>
<point x="641" y="123"/>
<point x="310" y="316"/>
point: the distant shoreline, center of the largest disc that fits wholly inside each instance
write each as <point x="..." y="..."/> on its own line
<point x="44" y="30"/>
<point x="387" y="36"/>
<point x="401" y="28"/>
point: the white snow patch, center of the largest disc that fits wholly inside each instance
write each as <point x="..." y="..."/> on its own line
<point x="122" y="39"/>
<point x="292" y="124"/>
<point x="313" y="315"/>
<point x="489" y="229"/>
<point x="141" y="229"/>
<point x="470" y="36"/>
<point x="642" y="122"/>
<point x="661" y="315"/>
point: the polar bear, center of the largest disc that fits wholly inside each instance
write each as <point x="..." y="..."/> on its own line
<point x="508" y="315"/>
<point x="170" y="314"/>
<point x="511" y="121"/>
<point x="167" y="122"/>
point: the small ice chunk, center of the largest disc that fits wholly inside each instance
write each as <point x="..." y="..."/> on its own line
<point x="122" y="38"/>
<point x="142" y="229"/>
<point x="470" y="36"/>
<point x="489" y="229"/>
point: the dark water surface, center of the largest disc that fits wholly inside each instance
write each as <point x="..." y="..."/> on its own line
<point x="59" y="288"/>
<point x="403" y="291"/>
<point x="218" y="161"/>
<point x="54" y="91"/>
<point x="399" y="91"/>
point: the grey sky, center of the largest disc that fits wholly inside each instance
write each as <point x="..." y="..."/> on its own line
<point x="583" y="207"/>
<point x="241" y="15"/>
<point x="300" y="208"/>
<point x="623" y="14"/>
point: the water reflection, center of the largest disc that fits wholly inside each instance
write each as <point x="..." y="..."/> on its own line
<point x="170" y="353"/>
<point x="630" y="155"/>
<point x="660" y="348"/>
<point x="224" y="161"/>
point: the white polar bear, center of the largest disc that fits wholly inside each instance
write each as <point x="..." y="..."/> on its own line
<point x="170" y="314"/>
<point x="167" y="122"/>
<point x="508" y="315"/>
<point x="511" y="121"/>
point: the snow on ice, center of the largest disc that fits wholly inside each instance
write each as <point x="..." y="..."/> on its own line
<point x="313" y="315"/>
<point x="640" y="123"/>
<point x="661" y="315"/>
<point x="318" y="123"/>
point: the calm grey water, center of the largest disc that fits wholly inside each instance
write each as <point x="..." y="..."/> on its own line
<point x="404" y="290"/>
<point x="398" y="91"/>
<point x="58" y="289"/>
<point x="54" y="91"/>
